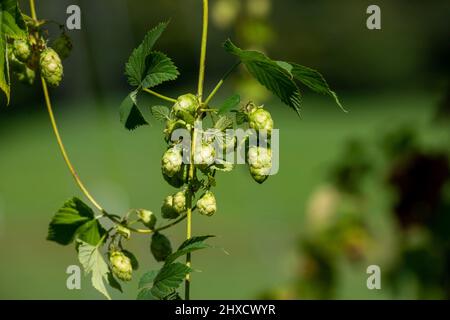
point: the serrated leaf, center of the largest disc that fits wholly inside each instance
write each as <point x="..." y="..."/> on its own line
<point x="93" y="263"/>
<point x="160" y="68"/>
<point x="313" y="80"/>
<point x="137" y="64"/>
<point x="12" y="25"/>
<point x="160" y="247"/>
<point x="146" y="280"/>
<point x="190" y="245"/>
<point x="130" y="115"/>
<point x="270" y="74"/>
<point x="169" y="279"/>
<point x="146" y="294"/>
<point x="161" y="113"/>
<point x="229" y="104"/>
<point x="91" y="232"/>
<point x="74" y="217"/>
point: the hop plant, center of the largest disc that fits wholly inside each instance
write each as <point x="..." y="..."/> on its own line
<point x="260" y="119"/>
<point x="260" y="163"/>
<point x="174" y="205"/>
<point x="186" y="107"/>
<point x="207" y="205"/>
<point x="63" y="46"/>
<point x="21" y="50"/>
<point x="147" y="218"/>
<point x="51" y="67"/>
<point x="121" y="265"/>
<point x="172" y="162"/>
<point x="205" y="155"/>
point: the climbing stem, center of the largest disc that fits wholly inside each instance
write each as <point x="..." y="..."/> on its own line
<point x="221" y="82"/>
<point x="158" y="95"/>
<point x="201" y="78"/>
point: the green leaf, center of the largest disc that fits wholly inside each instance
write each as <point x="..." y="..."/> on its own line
<point x="93" y="263"/>
<point x="312" y="79"/>
<point x="193" y="244"/>
<point x="136" y="66"/>
<point x="224" y="122"/>
<point x="270" y="74"/>
<point x="74" y="218"/>
<point x="146" y="280"/>
<point x="159" y="69"/>
<point x="146" y="294"/>
<point x="130" y="115"/>
<point x="91" y="232"/>
<point x="169" y="279"/>
<point x="161" y="113"/>
<point x="229" y="104"/>
<point x="113" y="281"/>
<point x="12" y="25"/>
<point x="160" y="247"/>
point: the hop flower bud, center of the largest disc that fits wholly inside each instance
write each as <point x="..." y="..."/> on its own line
<point x="21" y="50"/>
<point x="174" y="205"/>
<point x="261" y="119"/>
<point x="121" y="265"/>
<point x="171" y="126"/>
<point x="172" y="162"/>
<point x="186" y="107"/>
<point x="260" y="162"/>
<point x="124" y="232"/>
<point x="207" y="205"/>
<point x="204" y="156"/>
<point x="179" y="202"/>
<point x="51" y="67"/>
<point x="147" y="218"/>
<point x="63" y="46"/>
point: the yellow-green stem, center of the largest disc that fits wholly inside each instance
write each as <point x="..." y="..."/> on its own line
<point x="190" y="195"/>
<point x="158" y="95"/>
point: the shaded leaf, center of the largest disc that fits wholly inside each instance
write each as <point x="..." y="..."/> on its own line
<point x="161" y="113"/>
<point x="160" y="68"/>
<point x="130" y="115"/>
<point x="68" y="220"/>
<point x="193" y="244"/>
<point x="270" y="74"/>
<point x="160" y="247"/>
<point x="230" y="104"/>
<point x="134" y="261"/>
<point x="169" y="279"/>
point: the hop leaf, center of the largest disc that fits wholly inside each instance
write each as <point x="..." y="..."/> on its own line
<point x="160" y="247"/>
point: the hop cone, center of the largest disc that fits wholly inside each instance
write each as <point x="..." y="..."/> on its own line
<point x="121" y="265"/>
<point x="186" y="107"/>
<point x="147" y="218"/>
<point x="172" y="162"/>
<point x="260" y="162"/>
<point x="21" y="50"/>
<point x="261" y="119"/>
<point x="207" y="205"/>
<point x="51" y="67"/>
<point x="205" y="155"/>
<point x="173" y="206"/>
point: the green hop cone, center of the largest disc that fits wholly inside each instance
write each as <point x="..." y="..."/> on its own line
<point x="186" y="108"/>
<point x="260" y="119"/>
<point x="172" y="162"/>
<point x="51" y="67"/>
<point x="207" y="205"/>
<point x="260" y="163"/>
<point x="63" y="46"/>
<point x="171" y="126"/>
<point x="205" y="155"/>
<point x="147" y="218"/>
<point x="174" y="205"/>
<point x="21" y="50"/>
<point x="121" y="265"/>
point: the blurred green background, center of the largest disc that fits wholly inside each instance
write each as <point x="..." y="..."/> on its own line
<point x="368" y="187"/>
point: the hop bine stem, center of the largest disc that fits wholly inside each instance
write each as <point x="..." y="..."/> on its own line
<point x="190" y="193"/>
